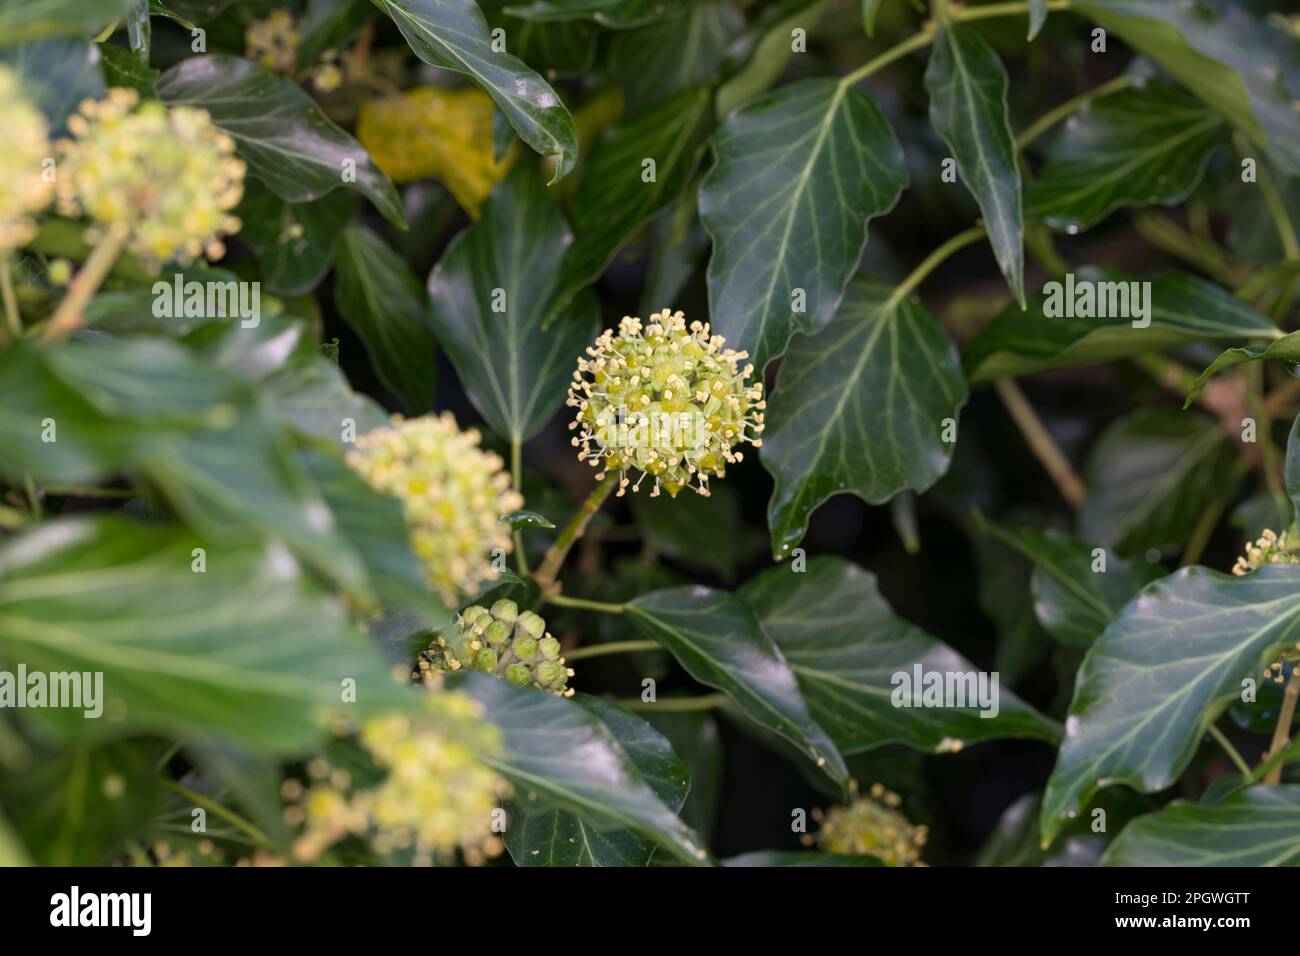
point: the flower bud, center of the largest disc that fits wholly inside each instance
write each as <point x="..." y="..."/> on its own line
<point x="872" y="826"/>
<point x="501" y="641"/>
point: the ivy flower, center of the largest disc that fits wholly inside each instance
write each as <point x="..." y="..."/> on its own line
<point x="437" y="795"/>
<point x="453" y="495"/>
<point x="273" y="42"/>
<point x="500" y="641"/>
<point x="164" y="179"/>
<point x="24" y="190"/>
<point x="665" y="400"/>
<point x="1269" y="548"/>
<point x="872" y="826"/>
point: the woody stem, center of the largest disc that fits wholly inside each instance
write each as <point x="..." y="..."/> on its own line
<point x="1282" y="732"/>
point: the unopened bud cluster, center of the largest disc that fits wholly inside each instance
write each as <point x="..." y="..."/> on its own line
<point x="500" y="641"/>
<point x="657" y="373"/>
<point x="165" y="178"/>
<point x="453" y="495"/>
<point x="872" y="826"/>
<point x="24" y="190"/>
<point x="437" y="796"/>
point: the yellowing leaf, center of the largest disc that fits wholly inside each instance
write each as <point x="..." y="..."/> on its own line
<point x="434" y="133"/>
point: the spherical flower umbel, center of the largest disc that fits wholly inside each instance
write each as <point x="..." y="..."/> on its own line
<point x="24" y="190"/>
<point x="437" y="795"/>
<point x="453" y="495"/>
<point x="162" y="177"/>
<point x="500" y="641"/>
<point x="1270" y="548"/>
<point x="666" y="400"/>
<point x="872" y="826"/>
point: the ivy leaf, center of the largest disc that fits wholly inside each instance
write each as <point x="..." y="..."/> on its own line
<point x="1137" y="147"/>
<point x="555" y="47"/>
<point x="56" y="74"/>
<point x="1037" y="17"/>
<point x="558" y="838"/>
<point x="491" y="293"/>
<point x="799" y="174"/>
<point x="1224" y="56"/>
<point x="316" y="400"/>
<point x="1150" y="478"/>
<point x="1258" y="826"/>
<point x="766" y="858"/>
<point x="697" y="531"/>
<point x="665" y="58"/>
<point x="769" y="52"/>
<point x="384" y="304"/>
<point x="294" y="242"/>
<point x="860" y="407"/>
<point x="280" y="131"/>
<point x="869" y="10"/>
<point x="527" y="519"/>
<point x="614" y="199"/>
<point x="1161" y="673"/>
<point x="453" y="34"/>
<point x="1291" y="473"/>
<point x="715" y="636"/>
<point x="22" y="21"/>
<point x="259" y="657"/>
<point x="1286" y="348"/>
<point x="612" y="14"/>
<point x="121" y="67"/>
<point x="968" y="109"/>
<point x="845" y="646"/>
<point x="1183" y="309"/>
<point x="558" y="754"/>
<point x="1073" y="601"/>
<point x="328" y="25"/>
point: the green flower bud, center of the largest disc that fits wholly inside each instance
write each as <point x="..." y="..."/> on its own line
<point x="501" y="641"/>
<point x="872" y="826"/>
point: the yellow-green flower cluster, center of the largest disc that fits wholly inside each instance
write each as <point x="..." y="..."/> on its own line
<point x="273" y="42"/>
<point x="872" y="826"/>
<point x="665" y="400"/>
<point x="24" y="189"/>
<point x="453" y="494"/>
<point x="437" y="796"/>
<point x="1269" y="548"/>
<point x="165" y="179"/>
<point x="500" y="641"/>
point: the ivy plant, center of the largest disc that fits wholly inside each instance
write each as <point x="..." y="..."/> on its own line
<point x="613" y="433"/>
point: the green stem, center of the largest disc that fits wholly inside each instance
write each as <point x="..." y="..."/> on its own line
<point x="932" y="262"/>
<point x="613" y="647"/>
<point x="914" y="42"/>
<point x="706" y="702"/>
<point x="1282" y="732"/>
<point x="1164" y="234"/>
<point x="1069" y="108"/>
<point x="1000" y="10"/>
<point x="549" y="569"/>
<point x="10" y="300"/>
<point x="225" y="813"/>
<point x="69" y="316"/>
<point x="1269" y="459"/>
<point x="1276" y="206"/>
<point x="1230" y="750"/>
<point x="517" y="482"/>
<point x="88" y="491"/>
<point x="560" y="600"/>
<point x="1041" y="443"/>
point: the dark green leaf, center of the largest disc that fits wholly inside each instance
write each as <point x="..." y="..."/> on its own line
<point x="294" y="242"/>
<point x="1138" y="147"/>
<point x="329" y="25"/>
<point x="250" y="649"/>
<point x="559" y="838"/>
<point x="799" y="175"/>
<point x="1259" y="826"/>
<point x="846" y="647"/>
<point x="22" y="21"/>
<point x="670" y="56"/>
<point x="316" y="400"/>
<point x="286" y="139"/>
<point x="968" y="109"/>
<point x="697" y="531"/>
<point x="1182" y="309"/>
<point x="614" y="14"/>
<point x="384" y="304"/>
<point x="1286" y="349"/>
<point x="1224" y="56"/>
<point x="614" y="199"/>
<point x="559" y="755"/>
<point x="860" y="407"/>
<point x="715" y="636"/>
<point x="452" y="34"/>
<point x="767" y="858"/>
<point x="527" y="519"/>
<point x="491" y="293"/>
<point x="57" y="74"/>
<point x="1292" y="467"/>
<point x="124" y="68"/>
<point x="1150" y="478"/>
<point x="1161" y="673"/>
<point x="869" y="10"/>
<point x="1073" y="599"/>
